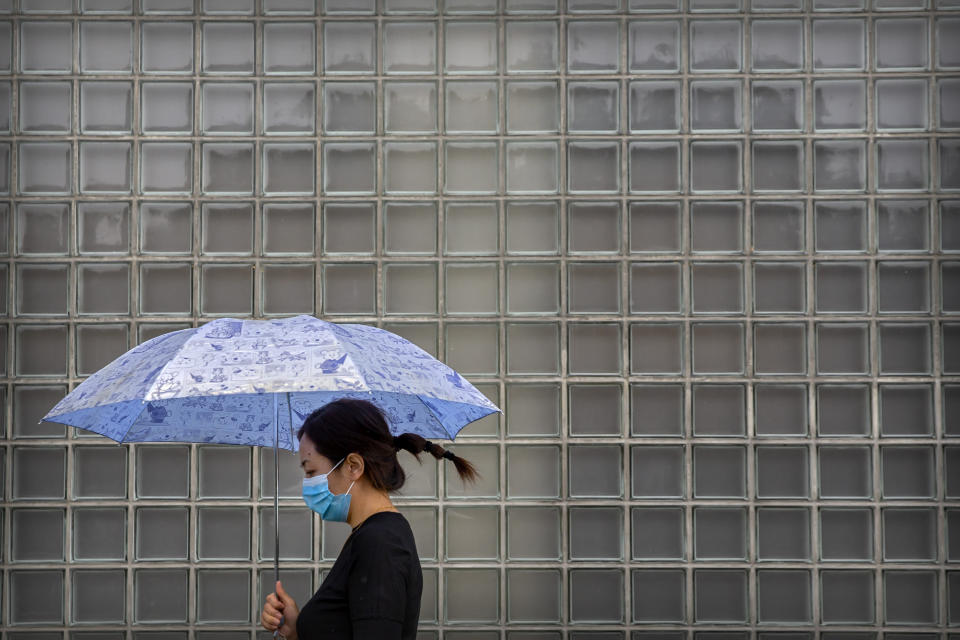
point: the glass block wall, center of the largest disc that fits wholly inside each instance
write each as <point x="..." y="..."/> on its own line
<point x="704" y="253"/>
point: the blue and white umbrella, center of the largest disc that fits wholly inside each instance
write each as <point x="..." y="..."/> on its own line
<point x="253" y="382"/>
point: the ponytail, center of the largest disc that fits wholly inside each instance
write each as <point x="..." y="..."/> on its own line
<point x="416" y="445"/>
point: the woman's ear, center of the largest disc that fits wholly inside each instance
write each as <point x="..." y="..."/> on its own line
<point x="354" y="466"/>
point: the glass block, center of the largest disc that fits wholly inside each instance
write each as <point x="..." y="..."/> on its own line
<point x="37" y="535"/>
<point x="42" y="289"/>
<point x="594" y="410"/>
<point x="716" y="105"/>
<point x="486" y="458"/>
<point x="903" y="165"/>
<point x="903" y="225"/>
<point x="658" y="595"/>
<point x="719" y="472"/>
<point x="910" y="597"/>
<point x="716" y="166"/>
<point x="531" y="6"/>
<point x="99" y="534"/>
<point x="349" y="168"/>
<point x="471" y="47"/>
<point x="410" y="167"/>
<point x="42" y="228"/>
<point x="782" y="472"/>
<point x="903" y="287"/>
<point x="226" y="7"/>
<point x="291" y="477"/>
<point x="532" y="47"/>
<point x="717" y="348"/>
<point x="909" y="535"/>
<point x="288" y="169"/>
<point x="656" y="410"/>
<point x="654" y="106"/>
<point x="951" y="457"/>
<point x="410" y="107"/>
<point x="349" y="228"/>
<point x="166" y="47"/>
<point x="716" y="227"/>
<point x="166" y="6"/>
<point x="842" y="349"/>
<point x="99" y="472"/>
<point x="843" y="410"/>
<point x="349" y="108"/>
<point x="423" y="522"/>
<point x="410" y="289"/>
<point x="6" y="105"/>
<point x="901" y="43"/>
<point x="655" y="227"/>
<point x="594" y="349"/>
<point x="719" y="410"/>
<point x="777" y="105"/>
<point x="472" y="107"/>
<point x="705" y="6"/>
<point x="228" y="47"/>
<point x="841" y="287"/>
<point x="30" y="404"/>
<point x="289" y="47"/>
<point x="847" y="596"/>
<point x="656" y="349"/>
<point x="948" y="154"/>
<point x="409" y="47"/>
<point x="778" y="166"/>
<point x="227" y="167"/>
<point x="471" y="533"/>
<point x="533" y="472"/>
<point x="223" y="595"/>
<point x="226" y="228"/>
<point x="469" y="6"/>
<point x="907" y="472"/>
<point x="846" y="534"/>
<point x="715" y="45"/>
<point x="845" y="472"/>
<point x="839" y="45"/>
<point x="105" y="167"/>
<point x="593" y="227"/>
<point x="653" y="46"/>
<point x="776" y="45"/>
<point x="784" y="596"/>
<point x="593" y="167"/>
<point x="840" y="226"/>
<point x="534" y="410"/>
<point x="163" y="471"/>
<point x="901" y="104"/>
<point x="350" y="47"/>
<point x="160" y="595"/>
<point x="166" y="167"/>
<point x="948" y="103"/>
<point x="161" y="533"/>
<point x="593" y="107"/>
<point x="657" y="472"/>
<point x="39" y="473"/>
<point x="349" y="288"/>
<point x="655" y="167"/>
<point x="593" y="287"/>
<point x="46" y="47"/>
<point x="103" y="289"/>
<point x="36" y="597"/>
<point x="950" y="342"/>
<point x="783" y="533"/>
<point x="533" y="533"/>
<point x="533" y="595"/>
<point x="471" y="168"/>
<point x="533" y="348"/>
<point x="596" y="595"/>
<point x="593" y="46"/>
<point x="410" y="228"/>
<point x="720" y="595"/>
<point x="472" y="595"/>
<point x="288" y="228"/>
<point x="949" y="274"/>
<point x="226" y="108"/>
<point x="226" y="289"/>
<point x="45" y="168"/>
<point x="98" y="596"/>
<point x="289" y="7"/>
<point x="471" y="289"/>
<point x="657" y="533"/>
<point x="421" y="479"/>
<point x="105" y="107"/>
<point x="289" y="108"/>
<point x="167" y="108"/>
<point x="780" y="349"/>
<point x="532" y="107"/>
<point x="106" y="47"/>
<point x="166" y="227"/>
<point x="720" y="533"/>
<point x="948" y="55"/>
<point x="224" y="472"/>
<point x="533" y="287"/>
<point x="223" y="533"/>
<point x="532" y="167"/>
<point x="717" y="287"/>
<point x="779" y="287"/>
<point x="904" y="348"/>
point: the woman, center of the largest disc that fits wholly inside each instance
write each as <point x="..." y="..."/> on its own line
<point x="373" y="590"/>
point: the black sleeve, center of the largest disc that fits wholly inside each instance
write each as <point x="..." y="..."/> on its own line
<point x="377" y="586"/>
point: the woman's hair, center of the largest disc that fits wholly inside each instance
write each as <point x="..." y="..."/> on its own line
<point x="350" y="425"/>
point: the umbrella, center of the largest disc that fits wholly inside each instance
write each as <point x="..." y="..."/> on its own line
<point x="253" y="382"/>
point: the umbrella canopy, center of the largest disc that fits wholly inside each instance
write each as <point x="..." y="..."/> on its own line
<point x="253" y="382"/>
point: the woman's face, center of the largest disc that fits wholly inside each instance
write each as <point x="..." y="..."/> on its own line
<point x="314" y="463"/>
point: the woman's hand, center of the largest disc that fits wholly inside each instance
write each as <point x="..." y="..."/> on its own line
<point x="280" y="604"/>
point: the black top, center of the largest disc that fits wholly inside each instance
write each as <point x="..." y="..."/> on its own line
<point x="373" y="589"/>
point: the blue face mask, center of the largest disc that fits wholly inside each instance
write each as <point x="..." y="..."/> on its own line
<point x="330" y="506"/>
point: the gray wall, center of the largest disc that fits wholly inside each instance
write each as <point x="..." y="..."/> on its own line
<point x="703" y="255"/>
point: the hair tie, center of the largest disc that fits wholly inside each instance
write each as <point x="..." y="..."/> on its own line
<point x="449" y="455"/>
<point x="396" y="443"/>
